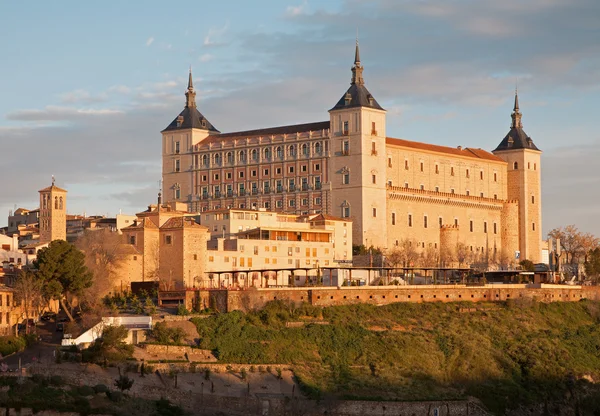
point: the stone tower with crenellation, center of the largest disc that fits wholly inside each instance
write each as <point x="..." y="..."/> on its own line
<point x="53" y="214"/>
<point x="523" y="185"/>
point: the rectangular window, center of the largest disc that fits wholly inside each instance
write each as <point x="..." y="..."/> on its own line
<point x="241" y="174"/>
<point x="317" y="167"/>
<point x="374" y="212"/>
<point x="494" y="228"/>
<point x="452" y="171"/>
<point x="422" y="166"/>
<point x="345" y="148"/>
<point x="177" y="165"/>
<point x="345" y="129"/>
<point x="481" y="175"/>
<point x="425" y="221"/>
<point x="176" y="147"/>
<point x="533" y="226"/>
<point x="406" y="164"/>
<point x="253" y="173"/>
<point x="393" y="218"/>
<point x="346" y="179"/>
<point x="291" y="169"/>
<point x="374" y="178"/>
<point x="485" y="227"/>
<point x="410" y="220"/>
<point x="440" y="221"/>
<point x="266" y="172"/>
<point x="495" y="177"/>
<point x="304" y="168"/>
<point x="242" y="261"/>
<point x="168" y="239"/>
<point x="471" y="225"/>
<point x="345" y="212"/>
<point x="437" y="168"/>
<point x="278" y="171"/>
<point x="456" y="222"/>
<point x="532" y="199"/>
<point x="389" y="162"/>
<point x="467" y="174"/>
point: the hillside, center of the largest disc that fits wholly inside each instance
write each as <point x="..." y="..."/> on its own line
<point x="506" y="354"/>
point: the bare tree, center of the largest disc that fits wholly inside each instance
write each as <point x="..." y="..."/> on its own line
<point x="571" y="242"/>
<point x="589" y="243"/>
<point x="463" y="254"/>
<point x="430" y="257"/>
<point x="105" y="254"/>
<point x="28" y="291"/>
<point x="404" y="254"/>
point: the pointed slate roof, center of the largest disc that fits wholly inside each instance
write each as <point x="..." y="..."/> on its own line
<point x="516" y="137"/>
<point x="357" y="95"/>
<point x="190" y="117"/>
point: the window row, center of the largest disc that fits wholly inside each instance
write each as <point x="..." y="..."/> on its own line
<point x="256" y="188"/>
<point x="254" y="172"/>
<point x="437" y="169"/>
<point x="441" y="223"/>
<point x="264" y="154"/>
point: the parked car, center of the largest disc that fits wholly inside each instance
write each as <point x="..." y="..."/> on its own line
<point x="47" y="316"/>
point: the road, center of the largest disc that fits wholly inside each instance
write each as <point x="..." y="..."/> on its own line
<point x="40" y="352"/>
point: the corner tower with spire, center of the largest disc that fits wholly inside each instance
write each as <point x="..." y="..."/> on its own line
<point x="188" y="129"/>
<point x="357" y="168"/>
<point x="523" y="185"/>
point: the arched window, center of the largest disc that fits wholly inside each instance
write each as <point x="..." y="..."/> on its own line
<point x="217" y="159"/>
<point x="254" y="154"/>
<point x="230" y="158"/>
<point x="516" y="165"/>
<point x="304" y="149"/>
<point x="267" y="153"/>
<point x="279" y="152"/>
<point x="242" y="156"/>
<point x="318" y="148"/>
<point x="55" y="202"/>
<point x="44" y="201"/>
<point x="205" y="160"/>
<point x="60" y="203"/>
<point x="292" y="151"/>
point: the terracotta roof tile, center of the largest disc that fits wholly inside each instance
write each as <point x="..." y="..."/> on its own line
<point x="464" y="152"/>
<point x="182" y="222"/>
<point x="53" y="188"/>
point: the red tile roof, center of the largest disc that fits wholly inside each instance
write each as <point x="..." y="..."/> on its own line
<point x="465" y="152"/>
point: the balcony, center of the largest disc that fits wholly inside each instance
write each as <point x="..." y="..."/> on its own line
<point x="292" y="188"/>
<point x="318" y="185"/>
<point x="204" y="196"/>
<point x="305" y="187"/>
<point x="254" y="191"/>
<point x="279" y="189"/>
<point x="229" y="193"/>
<point x="217" y="194"/>
<point x="345" y="132"/>
<point x="345" y="152"/>
<point x="267" y="190"/>
<point x="242" y="192"/>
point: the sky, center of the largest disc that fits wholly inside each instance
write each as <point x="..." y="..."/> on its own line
<point x="86" y="87"/>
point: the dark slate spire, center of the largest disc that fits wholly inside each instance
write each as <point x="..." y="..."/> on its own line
<point x="357" y="95"/>
<point x="190" y="117"/>
<point x="516" y="137"/>
<point x="357" y="69"/>
<point x="190" y="94"/>
<point x="516" y="115"/>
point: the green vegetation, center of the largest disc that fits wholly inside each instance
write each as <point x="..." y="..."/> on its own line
<point x="165" y="335"/>
<point x="42" y="393"/>
<point x="12" y="344"/>
<point x="506" y="354"/>
<point x="110" y="347"/>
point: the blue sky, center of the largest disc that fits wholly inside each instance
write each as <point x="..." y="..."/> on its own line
<point x="85" y="88"/>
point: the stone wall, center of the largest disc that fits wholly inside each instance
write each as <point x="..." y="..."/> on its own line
<point x="382" y="295"/>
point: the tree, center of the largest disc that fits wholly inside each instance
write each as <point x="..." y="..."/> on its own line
<point x="123" y="382"/>
<point x="592" y="267"/>
<point x="105" y="253"/>
<point x="404" y="254"/>
<point x="571" y="241"/>
<point x="28" y="291"/>
<point x="463" y="254"/>
<point x="61" y="269"/>
<point x="527" y="265"/>
<point x="111" y="345"/>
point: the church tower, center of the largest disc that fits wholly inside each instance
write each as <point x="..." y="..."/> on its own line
<point x="53" y="214"/>
<point x="179" y="181"/>
<point x="357" y="168"/>
<point x="524" y="185"/>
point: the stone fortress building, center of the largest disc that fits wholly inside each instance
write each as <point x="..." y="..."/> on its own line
<point x="437" y="197"/>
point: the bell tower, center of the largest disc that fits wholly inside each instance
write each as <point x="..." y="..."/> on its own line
<point x="523" y="185"/>
<point x="53" y="214"/>
<point x="357" y="165"/>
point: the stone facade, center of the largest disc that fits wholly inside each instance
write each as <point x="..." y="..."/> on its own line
<point x="348" y="167"/>
<point x="53" y="214"/>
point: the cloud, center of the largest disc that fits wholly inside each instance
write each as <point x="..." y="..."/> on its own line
<point x="206" y="57"/>
<point x="150" y="41"/>
<point x="292" y="11"/>
<point x="214" y="34"/>
<point x="60" y="113"/>
<point x="121" y="89"/>
<point x="82" y="96"/>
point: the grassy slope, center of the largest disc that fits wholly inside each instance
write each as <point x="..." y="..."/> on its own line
<point x="503" y="353"/>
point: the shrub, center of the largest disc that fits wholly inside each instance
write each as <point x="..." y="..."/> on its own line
<point x="243" y="373"/>
<point x="279" y="373"/>
<point x="100" y="388"/>
<point x="252" y="369"/>
<point x="86" y="391"/>
<point x="57" y="380"/>
<point x="124" y="383"/>
<point x="182" y="310"/>
<point x="229" y="368"/>
<point x="114" y="396"/>
<point x="269" y="369"/>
